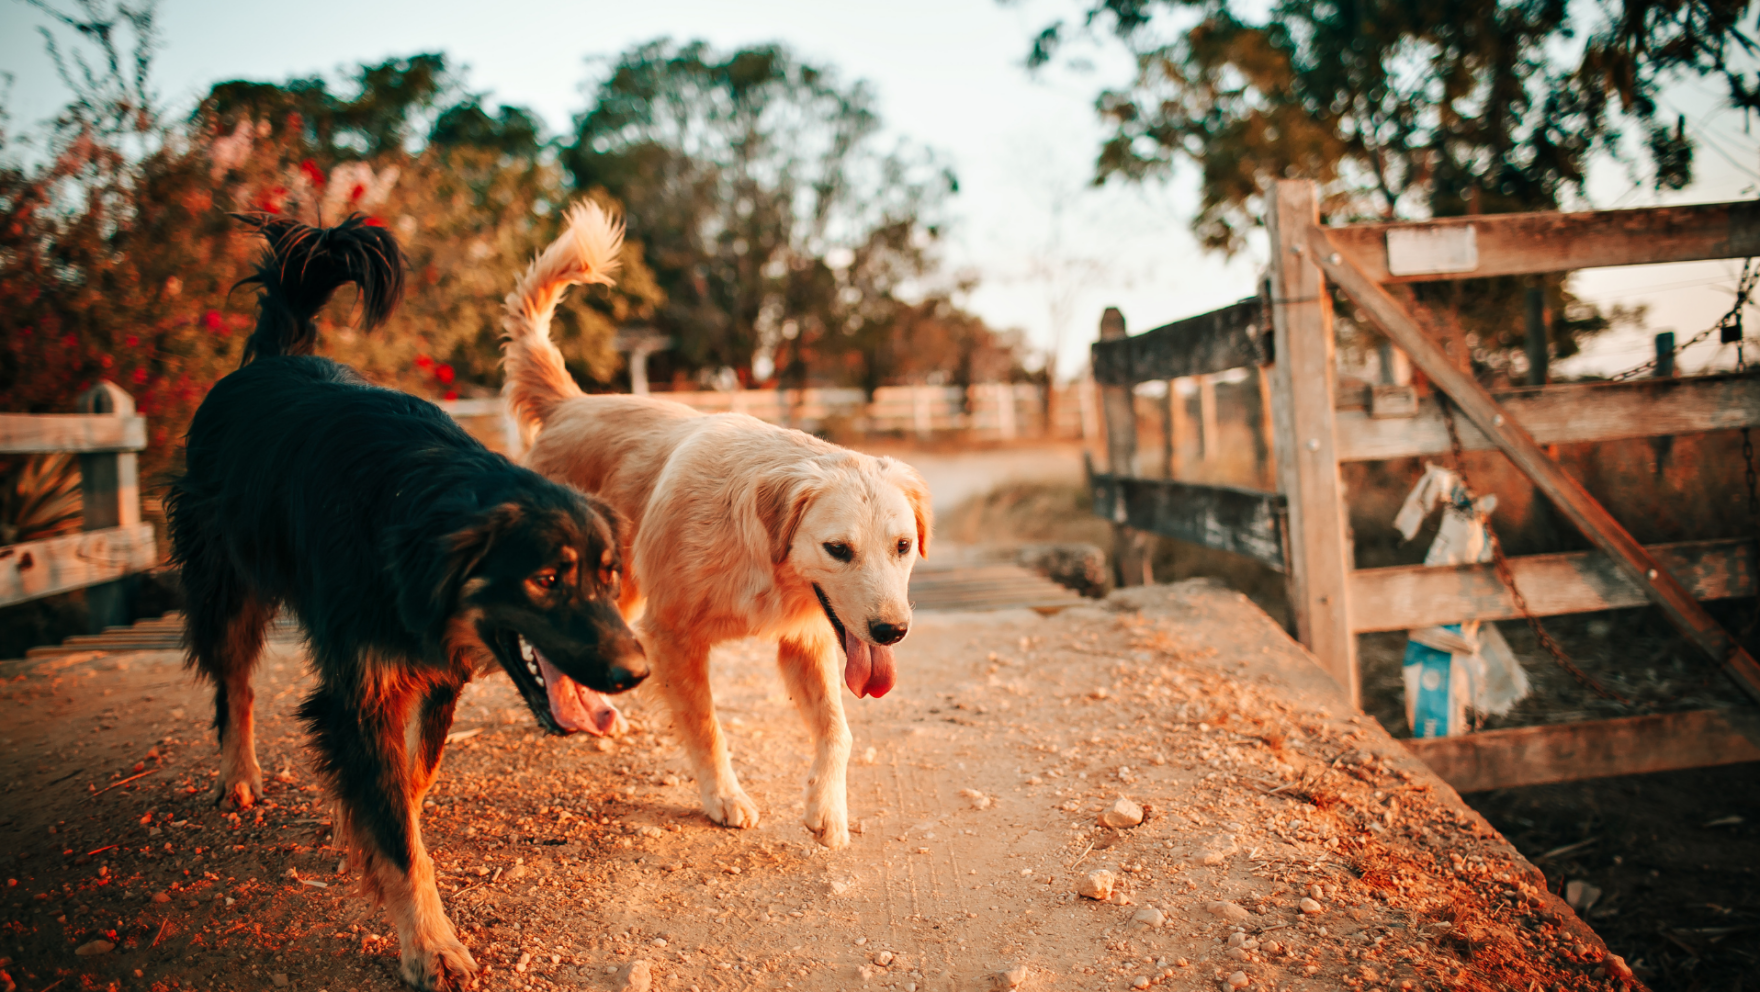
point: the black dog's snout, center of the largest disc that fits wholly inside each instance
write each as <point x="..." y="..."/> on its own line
<point x="887" y="633"/>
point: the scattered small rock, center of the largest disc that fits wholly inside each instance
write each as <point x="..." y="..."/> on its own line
<point x="640" y="977"/>
<point x="1310" y="907"/>
<point x="1142" y="982"/>
<point x="1121" y="814"/>
<point x="1218" y="850"/>
<point x="90" y="948"/>
<point x="1097" y="885"/>
<point x="1149" y="917"/>
<point x="976" y="798"/>
<point x="1013" y="978"/>
<point x="1228" y="911"/>
<point x="1238" y="980"/>
<point x="883" y="959"/>
<point x="525" y="959"/>
<point x="280" y="979"/>
<point x="161" y="897"/>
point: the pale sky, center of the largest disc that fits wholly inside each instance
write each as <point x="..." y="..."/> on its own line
<point x="1050" y="252"/>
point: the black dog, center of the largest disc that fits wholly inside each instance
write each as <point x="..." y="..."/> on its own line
<point x="413" y="556"/>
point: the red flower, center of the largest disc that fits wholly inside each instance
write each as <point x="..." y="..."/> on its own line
<point x="373" y="221"/>
<point x="70" y="341"/>
<point x="444" y="373"/>
<point x="213" y="321"/>
<point x="132" y="341"/>
<point x="140" y="375"/>
<point x="359" y="191"/>
<point x="424" y="362"/>
<point x="313" y="173"/>
<point x="451" y="394"/>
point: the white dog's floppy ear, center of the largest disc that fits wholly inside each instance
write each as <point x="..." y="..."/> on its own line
<point x="916" y="491"/>
<point x="783" y="499"/>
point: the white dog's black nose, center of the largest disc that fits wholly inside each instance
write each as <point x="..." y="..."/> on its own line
<point x="887" y="633"/>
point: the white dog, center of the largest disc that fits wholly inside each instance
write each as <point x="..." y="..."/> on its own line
<point x="737" y="528"/>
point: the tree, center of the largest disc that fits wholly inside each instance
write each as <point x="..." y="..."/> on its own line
<point x="1407" y="108"/>
<point x="118" y="255"/>
<point x="749" y="175"/>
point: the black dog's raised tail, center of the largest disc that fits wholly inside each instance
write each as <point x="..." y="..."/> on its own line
<point x="304" y="266"/>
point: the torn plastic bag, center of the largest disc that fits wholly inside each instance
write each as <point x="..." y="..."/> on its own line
<point x="1454" y="666"/>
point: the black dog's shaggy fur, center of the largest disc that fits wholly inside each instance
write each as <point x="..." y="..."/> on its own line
<point x="412" y="556"/>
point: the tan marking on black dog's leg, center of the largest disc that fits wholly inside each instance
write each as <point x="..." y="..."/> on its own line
<point x="682" y="670"/>
<point x="379" y="778"/>
<point x="241" y="778"/>
<point x="809" y="670"/>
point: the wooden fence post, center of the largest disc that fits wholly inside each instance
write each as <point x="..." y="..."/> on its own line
<point x="1307" y="463"/>
<point x="1209" y="445"/>
<point x="1130" y="547"/>
<point x="109" y="483"/>
<point x="1170" y="432"/>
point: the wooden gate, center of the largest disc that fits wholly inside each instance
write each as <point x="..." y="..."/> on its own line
<point x="1331" y="600"/>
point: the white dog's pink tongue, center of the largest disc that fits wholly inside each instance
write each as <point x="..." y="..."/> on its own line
<point x="575" y="706"/>
<point x="869" y="669"/>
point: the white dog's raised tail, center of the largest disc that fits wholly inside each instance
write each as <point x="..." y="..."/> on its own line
<point x="586" y="252"/>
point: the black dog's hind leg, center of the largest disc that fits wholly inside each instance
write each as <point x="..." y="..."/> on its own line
<point x="361" y="732"/>
<point x="224" y="629"/>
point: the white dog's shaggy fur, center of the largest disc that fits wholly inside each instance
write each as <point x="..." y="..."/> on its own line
<point x="737" y="528"/>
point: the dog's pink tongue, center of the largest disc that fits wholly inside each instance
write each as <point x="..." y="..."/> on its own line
<point x="869" y="669"/>
<point x="575" y="706"/>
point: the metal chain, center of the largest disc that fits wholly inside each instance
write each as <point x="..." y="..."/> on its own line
<point x="1507" y="577"/>
<point x="1730" y="321"/>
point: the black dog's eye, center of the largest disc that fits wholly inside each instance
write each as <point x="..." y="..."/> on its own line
<point x="544" y="580"/>
<point x="839" y="550"/>
<point x="904" y="545"/>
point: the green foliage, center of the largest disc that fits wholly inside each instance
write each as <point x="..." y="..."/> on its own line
<point x="779" y="228"/>
<point x="1409" y="108"/>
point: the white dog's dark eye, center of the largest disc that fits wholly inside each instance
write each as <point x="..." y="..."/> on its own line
<point x="904" y="545"/>
<point x="839" y="550"/>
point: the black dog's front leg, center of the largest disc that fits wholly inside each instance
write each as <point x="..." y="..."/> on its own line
<point x="361" y="739"/>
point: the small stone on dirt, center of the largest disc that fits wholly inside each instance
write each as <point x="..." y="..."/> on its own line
<point x="640" y="977"/>
<point x="883" y="959"/>
<point x="1149" y="917"/>
<point x="161" y="897"/>
<point x="90" y="948"/>
<point x="1013" y="978"/>
<point x="1142" y="982"/>
<point x="1238" y="980"/>
<point x="280" y="979"/>
<point x="1228" y="911"/>
<point x="1097" y="885"/>
<point x="976" y="798"/>
<point x="1310" y="906"/>
<point x="1121" y="814"/>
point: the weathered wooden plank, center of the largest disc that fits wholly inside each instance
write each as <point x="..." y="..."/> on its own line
<point x="1130" y="551"/>
<point x="1305" y="379"/>
<point x="1565" y="492"/>
<point x="1243" y="521"/>
<point x="1408" y="596"/>
<point x="1567" y="752"/>
<point x="1230" y="338"/>
<point x="1578" y="413"/>
<point x="1513" y="244"/>
<point x="26" y="433"/>
<point x="61" y="564"/>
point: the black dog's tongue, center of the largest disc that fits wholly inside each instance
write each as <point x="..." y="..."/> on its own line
<point x="575" y="706"/>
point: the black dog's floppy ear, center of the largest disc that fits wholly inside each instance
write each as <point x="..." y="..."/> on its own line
<point x="432" y="570"/>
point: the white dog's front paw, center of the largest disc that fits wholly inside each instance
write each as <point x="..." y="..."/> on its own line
<point x="730" y="807"/>
<point x="828" y="818"/>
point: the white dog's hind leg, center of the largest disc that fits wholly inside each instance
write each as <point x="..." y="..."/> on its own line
<point x="681" y="667"/>
<point x="809" y="670"/>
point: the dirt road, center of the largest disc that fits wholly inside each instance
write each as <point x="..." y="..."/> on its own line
<point x="1285" y="844"/>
